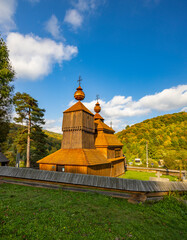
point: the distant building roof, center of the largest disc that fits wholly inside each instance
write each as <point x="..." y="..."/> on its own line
<point x="3" y="158"/>
<point x="78" y="107"/>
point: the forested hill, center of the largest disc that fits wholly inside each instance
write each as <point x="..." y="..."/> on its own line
<point x="166" y="136"/>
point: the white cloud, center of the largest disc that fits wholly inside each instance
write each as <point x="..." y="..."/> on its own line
<point x="53" y="125"/>
<point x="76" y="15"/>
<point x="74" y="18"/>
<point x="119" y="108"/>
<point x="32" y="57"/>
<point x="86" y="5"/>
<point x="53" y="26"/>
<point x="166" y="100"/>
<point x="7" y="11"/>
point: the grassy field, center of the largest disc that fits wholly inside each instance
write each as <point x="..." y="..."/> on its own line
<point x="35" y="213"/>
<point x="144" y="175"/>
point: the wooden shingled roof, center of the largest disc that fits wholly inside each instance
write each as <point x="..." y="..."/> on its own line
<point x="3" y="158"/>
<point x="103" y="127"/>
<point x="104" y="139"/>
<point x="98" y="116"/>
<point x="76" y="157"/>
<point x="78" y="107"/>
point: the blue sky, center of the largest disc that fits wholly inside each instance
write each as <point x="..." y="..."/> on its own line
<point x="133" y="53"/>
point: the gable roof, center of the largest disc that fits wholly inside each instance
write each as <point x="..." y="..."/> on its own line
<point x="3" y="158"/>
<point x="103" y="127"/>
<point x="98" y="116"/>
<point x="107" y="140"/>
<point x="77" y="157"/>
<point x="78" y="107"/>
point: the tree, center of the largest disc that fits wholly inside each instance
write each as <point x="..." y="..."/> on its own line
<point x="6" y="89"/>
<point x="29" y="113"/>
<point x="39" y="145"/>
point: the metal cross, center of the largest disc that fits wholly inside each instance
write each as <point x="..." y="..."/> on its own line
<point x="97" y="97"/>
<point x="79" y="80"/>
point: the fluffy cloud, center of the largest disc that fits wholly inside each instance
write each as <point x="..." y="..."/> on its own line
<point x="86" y="5"/>
<point x="53" y="125"/>
<point x="168" y="99"/>
<point x="73" y="17"/>
<point x="32" y="57"/>
<point x="119" y="108"/>
<point x="7" y="8"/>
<point x="76" y="15"/>
<point x="53" y="27"/>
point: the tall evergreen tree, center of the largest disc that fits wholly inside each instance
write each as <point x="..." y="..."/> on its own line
<point x="28" y="112"/>
<point x="38" y="145"/>
<point x="6" y="88"/>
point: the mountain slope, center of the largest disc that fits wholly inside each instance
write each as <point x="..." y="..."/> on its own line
<point x="166" y="137"/>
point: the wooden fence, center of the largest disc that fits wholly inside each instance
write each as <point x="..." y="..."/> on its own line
<point x="100" y="182"/>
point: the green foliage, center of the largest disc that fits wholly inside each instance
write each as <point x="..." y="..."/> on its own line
<point x="43" y="143"/>
<point x="27" y="109"/>
<point x="166" y="137"/>
<point x="35" y="213"/>
<point x="38" y="143"/>
<point x="28" y="112"/>
<point x="6" y="89"/>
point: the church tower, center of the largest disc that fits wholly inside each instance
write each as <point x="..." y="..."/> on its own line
<point x="78" y="125"/>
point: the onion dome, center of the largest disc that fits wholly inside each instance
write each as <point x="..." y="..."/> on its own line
<point x="97" y="107"/>
<point x="79" y="94"/>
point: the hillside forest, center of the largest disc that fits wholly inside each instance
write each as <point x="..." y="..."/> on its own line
<point x="166" y="137"/>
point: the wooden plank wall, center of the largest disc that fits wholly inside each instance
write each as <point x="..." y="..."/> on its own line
<point x="118" y="168"/>
<point x="101" y="170"/>
<point x="48" y="167"/>
<point x="78" y="130"/>
<point x="76" y="169"/>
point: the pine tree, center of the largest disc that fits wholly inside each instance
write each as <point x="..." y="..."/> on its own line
<point x="29" y="113"/>
<point x="38" y="145"/>
<point x="6" y="89"/>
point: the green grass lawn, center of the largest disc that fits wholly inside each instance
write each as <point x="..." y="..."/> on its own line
<point x="144" y="175"/>
<point x="36" y="213"/>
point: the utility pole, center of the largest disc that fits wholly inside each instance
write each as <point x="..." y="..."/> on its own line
<point x="147" y="161"/>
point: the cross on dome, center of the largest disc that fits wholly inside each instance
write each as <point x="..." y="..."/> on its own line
<point x="79" y="94"/>
<point x="79" y="80"/>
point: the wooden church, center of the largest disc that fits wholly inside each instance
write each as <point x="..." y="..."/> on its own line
<point x="89" y="146"/>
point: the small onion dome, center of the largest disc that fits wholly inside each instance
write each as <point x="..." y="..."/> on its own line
<point x="97" y="108"/>
<point x="79" y="94"/>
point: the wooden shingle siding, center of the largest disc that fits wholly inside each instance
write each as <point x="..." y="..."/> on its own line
<point x="93" y="181"/>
